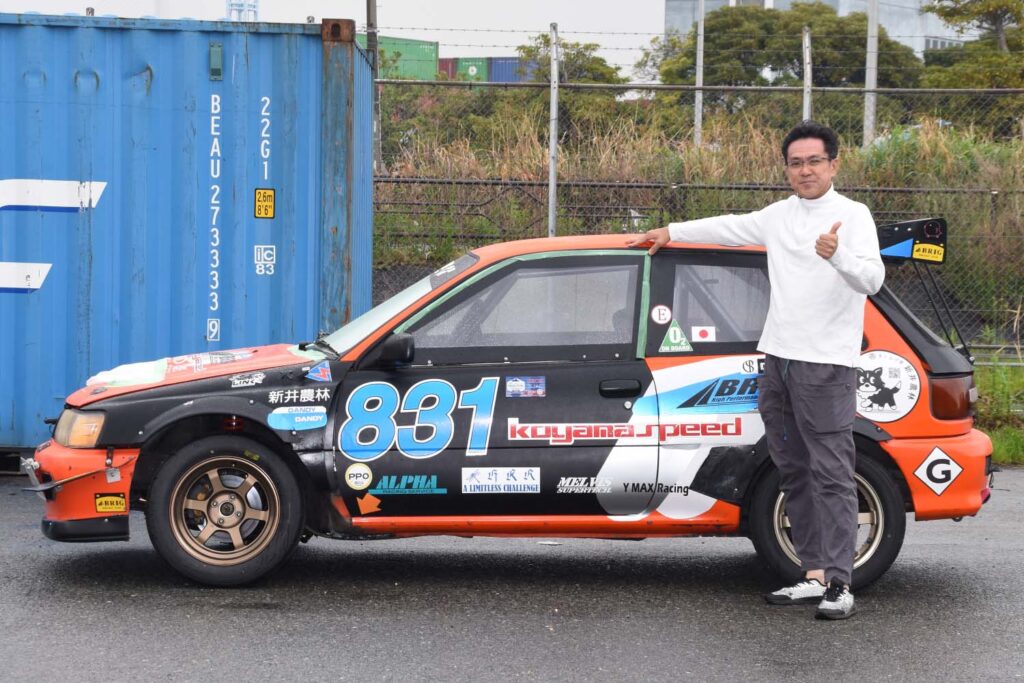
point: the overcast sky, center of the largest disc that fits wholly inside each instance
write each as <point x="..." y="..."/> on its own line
<point x="476" y="28"/>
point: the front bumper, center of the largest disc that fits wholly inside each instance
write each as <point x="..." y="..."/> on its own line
<point x="948" y="477"/>
<point x="85" y="492"/>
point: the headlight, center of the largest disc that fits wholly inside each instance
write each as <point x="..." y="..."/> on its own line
<point x="78" y="428"/>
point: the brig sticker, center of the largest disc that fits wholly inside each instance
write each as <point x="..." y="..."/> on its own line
<point x="111" y="502"/>
<point x="298" y="418"/>
<point x="888" y="386"/>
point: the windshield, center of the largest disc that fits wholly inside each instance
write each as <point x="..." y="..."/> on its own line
<point x="355" y="331"/>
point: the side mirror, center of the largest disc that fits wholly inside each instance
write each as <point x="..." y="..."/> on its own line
<point x="398" y="349"/>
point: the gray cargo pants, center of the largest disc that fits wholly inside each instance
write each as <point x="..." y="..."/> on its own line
<point x="808" y="411"/>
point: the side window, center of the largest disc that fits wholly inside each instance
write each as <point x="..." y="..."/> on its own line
<point x="549" y="309"/>
<point x="717" y="303"/>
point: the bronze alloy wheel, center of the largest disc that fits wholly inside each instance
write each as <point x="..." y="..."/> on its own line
<point x="224" y="510"/>
<point x="870" y="523"/>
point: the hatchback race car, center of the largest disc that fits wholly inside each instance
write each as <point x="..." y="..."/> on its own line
<point x="562" y="387"/>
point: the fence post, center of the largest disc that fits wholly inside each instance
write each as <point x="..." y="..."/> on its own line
<point x="807" y="73"/>
<point x="553" y="136"/>
<point x="871" y="73"/>
<point x="698" y="95"/>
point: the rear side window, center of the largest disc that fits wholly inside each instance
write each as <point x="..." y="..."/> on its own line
<point x="708" y="303"/>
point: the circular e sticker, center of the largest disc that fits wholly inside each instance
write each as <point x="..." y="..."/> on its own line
<point x="358" y="476"/>
<point x="661" y="314"/>
<point x="888" y="386"/>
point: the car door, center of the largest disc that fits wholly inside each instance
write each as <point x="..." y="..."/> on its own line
<point x="707" y="310"/>
<point x="519" y="396"/>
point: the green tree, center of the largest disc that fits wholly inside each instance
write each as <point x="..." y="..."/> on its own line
<point x="991" y="16"/>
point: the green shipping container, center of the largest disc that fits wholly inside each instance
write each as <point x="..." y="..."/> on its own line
<point x="472" y="69"/>
<point x="405" y="57"/>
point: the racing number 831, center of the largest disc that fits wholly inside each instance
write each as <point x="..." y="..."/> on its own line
<point x="370" y="430"/>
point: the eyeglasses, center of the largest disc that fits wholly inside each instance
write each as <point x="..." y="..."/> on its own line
<point x="813" y="162"/>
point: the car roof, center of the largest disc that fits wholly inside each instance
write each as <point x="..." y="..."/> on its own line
<point x="502" y="250"/>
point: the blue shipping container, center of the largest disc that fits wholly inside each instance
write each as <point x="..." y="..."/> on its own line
<point x="510" y="70"/>
<point x="169" y="187"/>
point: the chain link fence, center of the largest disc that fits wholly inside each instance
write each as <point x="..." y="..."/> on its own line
<point x="466" y="164"/>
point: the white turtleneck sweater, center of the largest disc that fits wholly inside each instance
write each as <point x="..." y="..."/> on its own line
<point x="816" y="312"/>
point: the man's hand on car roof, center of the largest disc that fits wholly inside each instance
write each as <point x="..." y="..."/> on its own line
<point x="657" y="238"/>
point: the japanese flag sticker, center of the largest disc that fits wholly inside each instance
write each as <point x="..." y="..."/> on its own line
<point x="702" y="333"/>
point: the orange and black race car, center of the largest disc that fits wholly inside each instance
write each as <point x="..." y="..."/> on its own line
<point x="551" y="387"/>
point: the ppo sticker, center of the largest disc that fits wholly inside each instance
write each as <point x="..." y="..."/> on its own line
<point x="661" y="314"/>
<point x="888" y="386"/>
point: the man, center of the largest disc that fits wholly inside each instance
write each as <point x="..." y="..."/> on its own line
<point x="823" y="260"/>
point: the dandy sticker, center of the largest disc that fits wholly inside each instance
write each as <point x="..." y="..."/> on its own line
<point x="888" y="386"/>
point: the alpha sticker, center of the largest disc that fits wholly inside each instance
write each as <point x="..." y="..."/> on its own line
<point x="414" y="484"/>
<point x="675" y="341"/>
<point x="525" y="387"/>
<point x="358" y="476"/>
<point x="938" y="471"/>
<point x="298" y="418"/>
<point x="111" y="502"/>
<point x="248" y="379"/>
<point x="501" y="480"/>
<point x="702" y="333"/>
<point x="321" y="372"/>
<point x="888" y="386"/>
<point x="661" y="314"/>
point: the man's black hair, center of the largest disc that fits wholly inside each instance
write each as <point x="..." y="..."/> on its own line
<point x="812" y="129"/>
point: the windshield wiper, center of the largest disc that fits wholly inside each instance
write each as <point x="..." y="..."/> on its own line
<point x="320" y="341"/>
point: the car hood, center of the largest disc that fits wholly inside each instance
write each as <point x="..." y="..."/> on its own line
<point x="134" y="377"/>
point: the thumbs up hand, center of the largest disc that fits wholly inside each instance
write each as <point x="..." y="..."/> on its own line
<point x="826" y="244"/>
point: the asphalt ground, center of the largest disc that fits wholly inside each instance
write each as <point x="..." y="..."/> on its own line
<point x="950" y="609"/>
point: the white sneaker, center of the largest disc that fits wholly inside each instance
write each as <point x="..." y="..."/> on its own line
<point x="837" y="602"/>
<point x="803" y="593"/>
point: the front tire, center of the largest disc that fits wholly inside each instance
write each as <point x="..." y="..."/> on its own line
<point x="881" y="524"/>
<point x="224" y="511"/>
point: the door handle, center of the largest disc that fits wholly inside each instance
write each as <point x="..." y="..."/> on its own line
<point x="620" y="388"/>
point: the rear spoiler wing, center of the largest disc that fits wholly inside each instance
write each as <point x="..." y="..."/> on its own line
<point x="923" y="243"/>
<point x="921" y="240"/>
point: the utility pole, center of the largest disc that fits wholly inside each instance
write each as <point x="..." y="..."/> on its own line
<point x="553" y="135"/>
<point x="871" y="73"/>
<point x="698" y="95"/>
<point x="371" y="49"/>
<point x="807" y="74"/>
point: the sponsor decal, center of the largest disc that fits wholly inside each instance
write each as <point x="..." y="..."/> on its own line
<point x="675" y="341"/>
<point x="321" y="372"/>
<point x="371" y="425"/>
<point x="358" y="476"/>
<point x="418" y="484"/>
<point x="584" y="485"/>
<point x="733" y="393"/>
<point x="501" y="480"/>
<point x="929" y="252"/>
<point x="661" y="314"/>
<point x="298" y="418"/>
<point x="113" y="475"/>
<point x="196" y="362"/>
<point x="702" y="333"/>
<point x="654" y="487"/>
<point x="249" y="379"/>
<point x="567" y="433"/>
<point x="753" y="366"/>
<point x="299" y="395"/>
<point x="888" y="386"/>
<point x="525" y="387"/>
<point x="938" y="471"/>
<point x="111" y="502"/>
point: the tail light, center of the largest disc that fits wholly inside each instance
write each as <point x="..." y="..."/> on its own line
<point x="953" y="397"/>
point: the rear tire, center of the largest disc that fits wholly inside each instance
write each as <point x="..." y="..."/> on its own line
<point x="224" y="511"/>
<point x="882" y="523"/>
